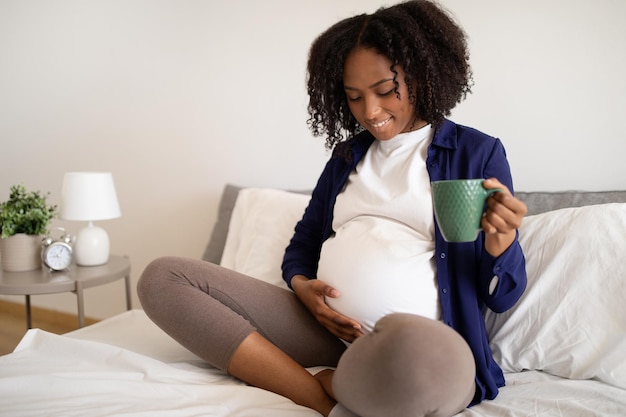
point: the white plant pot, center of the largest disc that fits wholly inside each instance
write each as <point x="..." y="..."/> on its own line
<point x="21" y="252"/>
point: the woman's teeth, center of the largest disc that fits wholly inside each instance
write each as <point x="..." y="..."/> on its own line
<point x="381" y="124"/>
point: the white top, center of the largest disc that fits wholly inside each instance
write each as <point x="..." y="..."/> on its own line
<point x="381" y="258"/>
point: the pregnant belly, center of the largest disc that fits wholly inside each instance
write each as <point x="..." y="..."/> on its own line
<point x="379" y="267"/>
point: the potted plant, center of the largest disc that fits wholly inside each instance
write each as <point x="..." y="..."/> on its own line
<point x="24" y="218"/>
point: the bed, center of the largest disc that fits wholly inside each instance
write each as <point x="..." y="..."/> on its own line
<point x="562" y="347"/>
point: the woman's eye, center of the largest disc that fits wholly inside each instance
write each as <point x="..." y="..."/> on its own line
<point x="353" y="98"/>
<point x="386" y="93"/>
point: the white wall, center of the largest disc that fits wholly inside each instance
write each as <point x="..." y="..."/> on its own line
<point x="177" y="98"/>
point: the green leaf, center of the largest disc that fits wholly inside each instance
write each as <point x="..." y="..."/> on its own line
<point x="25" y="212"/>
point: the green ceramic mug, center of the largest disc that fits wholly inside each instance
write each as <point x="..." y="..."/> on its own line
<point x="459" y="206"/>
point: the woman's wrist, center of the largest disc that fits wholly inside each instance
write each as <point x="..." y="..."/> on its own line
<point x="497" y="243"/>
<point x="296" y="280"/>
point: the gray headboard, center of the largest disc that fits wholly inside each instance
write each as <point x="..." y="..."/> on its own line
<point x="537" y="202"/>
<point x="540" y="202"/>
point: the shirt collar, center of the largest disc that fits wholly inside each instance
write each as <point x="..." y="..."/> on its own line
<point x="445" y="135"/>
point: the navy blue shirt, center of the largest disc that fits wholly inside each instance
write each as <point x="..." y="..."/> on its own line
<point x="464" y="270"/>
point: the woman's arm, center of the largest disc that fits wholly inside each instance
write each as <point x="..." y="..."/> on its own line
<point x="502" y="277"/>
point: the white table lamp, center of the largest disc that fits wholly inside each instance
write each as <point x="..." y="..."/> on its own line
<point x="90" y="196"/>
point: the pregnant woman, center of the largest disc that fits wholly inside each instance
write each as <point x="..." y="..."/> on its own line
<point x="378" y="297"/>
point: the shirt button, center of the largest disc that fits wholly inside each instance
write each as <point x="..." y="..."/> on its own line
<point x="444" y="290"/>
<point x="442" y="255"/>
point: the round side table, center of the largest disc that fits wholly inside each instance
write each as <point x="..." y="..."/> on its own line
<point x="76" y="279"/>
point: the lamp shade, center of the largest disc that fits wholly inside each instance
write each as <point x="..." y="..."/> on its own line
<point x="89" y="196"/>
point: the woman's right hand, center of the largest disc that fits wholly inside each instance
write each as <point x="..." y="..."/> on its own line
<point x="312" y="293"/>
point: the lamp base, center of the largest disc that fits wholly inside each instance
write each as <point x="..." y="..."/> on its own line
<point x="92" y="246"/>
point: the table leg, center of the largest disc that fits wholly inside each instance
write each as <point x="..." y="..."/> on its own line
<point x="29" y="319"/>
<point x="128" y="293"/>
<point x="81" y="304"/>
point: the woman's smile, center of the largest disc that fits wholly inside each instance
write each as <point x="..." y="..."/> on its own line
<point x="380" y="124"/>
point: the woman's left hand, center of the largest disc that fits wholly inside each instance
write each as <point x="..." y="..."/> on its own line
<point x="502" y="218"/>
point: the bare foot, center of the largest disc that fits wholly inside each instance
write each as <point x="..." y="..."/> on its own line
<point x="325" y="378"/>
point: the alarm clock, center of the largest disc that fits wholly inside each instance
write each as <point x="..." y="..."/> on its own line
<point x="56" y="254"/>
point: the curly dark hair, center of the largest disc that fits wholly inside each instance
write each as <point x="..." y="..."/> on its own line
<point x="416" y="35"/>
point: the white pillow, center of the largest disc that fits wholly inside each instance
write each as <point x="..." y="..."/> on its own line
<point x="571" y="321"/>
<point x="260" y="229"/>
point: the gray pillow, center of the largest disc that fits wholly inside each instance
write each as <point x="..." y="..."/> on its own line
<point x="215" y="247"/>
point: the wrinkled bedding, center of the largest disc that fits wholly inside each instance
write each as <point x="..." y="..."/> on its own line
<point x="126" y="366"/>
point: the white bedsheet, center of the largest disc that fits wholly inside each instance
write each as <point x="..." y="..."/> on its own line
<point x="126" y="366"/>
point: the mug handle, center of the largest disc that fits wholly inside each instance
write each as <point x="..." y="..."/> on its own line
<point x="490" y="191"/>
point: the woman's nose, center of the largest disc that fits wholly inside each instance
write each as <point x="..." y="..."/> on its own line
<point x="371" y="108"/>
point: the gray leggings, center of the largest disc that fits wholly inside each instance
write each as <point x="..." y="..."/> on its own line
<point x="407" y="366"/>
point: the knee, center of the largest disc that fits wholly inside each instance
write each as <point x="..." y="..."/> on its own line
<point x="424" y="344"/>
<point x="420" y="342"/>
<point x="151" y="281"/>
<point x="409" y="365"/>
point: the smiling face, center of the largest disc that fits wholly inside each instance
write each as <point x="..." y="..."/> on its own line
<point x="369" y="85"/>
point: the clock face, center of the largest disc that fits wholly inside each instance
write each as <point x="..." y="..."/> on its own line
<point x="58" y="256"/>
